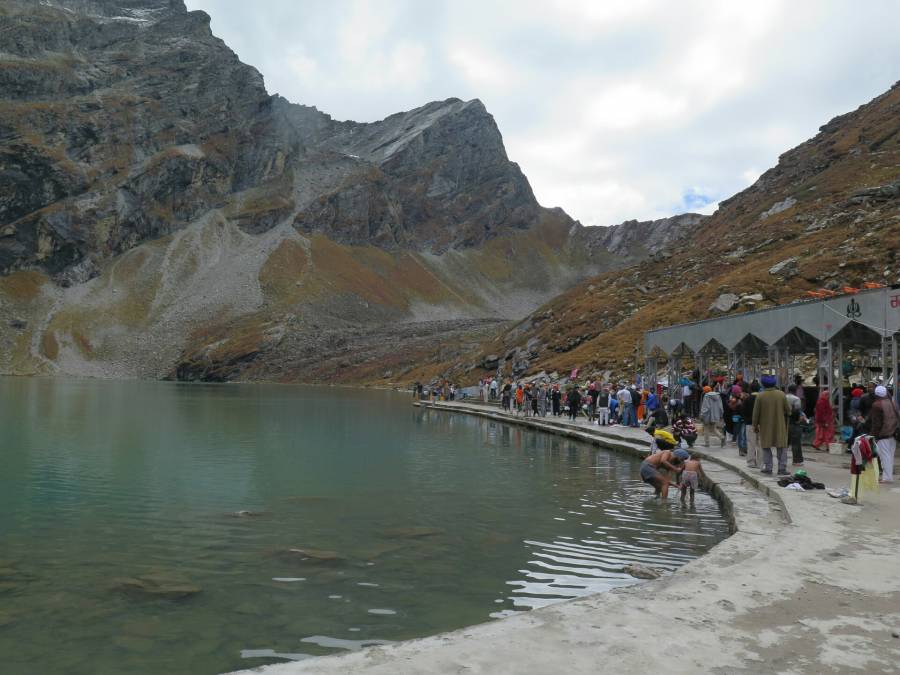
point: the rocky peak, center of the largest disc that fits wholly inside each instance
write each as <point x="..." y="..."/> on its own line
<point x="139" y="12"/>
<point x="126" y="120"/>
<point x="432" y="178"/>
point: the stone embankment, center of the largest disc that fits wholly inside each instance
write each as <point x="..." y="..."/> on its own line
<point x="804" y="585"/>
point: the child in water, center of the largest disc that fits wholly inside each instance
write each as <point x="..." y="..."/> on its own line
<point x="690" y="478"/>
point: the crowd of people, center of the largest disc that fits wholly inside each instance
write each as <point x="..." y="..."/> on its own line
<point x="763" y="419"/>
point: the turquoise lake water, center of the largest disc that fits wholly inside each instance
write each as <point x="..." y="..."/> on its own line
<point x="121" y="550"/>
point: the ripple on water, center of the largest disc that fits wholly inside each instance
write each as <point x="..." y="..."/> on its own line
<point x="465" y="518"/>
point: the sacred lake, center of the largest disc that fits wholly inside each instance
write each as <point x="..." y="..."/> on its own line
<point x="151" y="527"/>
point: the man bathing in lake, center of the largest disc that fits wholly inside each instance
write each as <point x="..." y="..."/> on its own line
<point x="651" y="474"/>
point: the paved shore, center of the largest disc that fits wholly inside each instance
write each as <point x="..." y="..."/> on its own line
<point x="805" y="585"/>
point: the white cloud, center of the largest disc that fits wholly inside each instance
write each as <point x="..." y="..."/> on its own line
<point x="630" y="105"/>
<point x="482" y="68"/>
<point x="750" y="176"/>
<point x="302" y="66"/>
<point x="614" y="110"/>
<point x="707" y="210"/>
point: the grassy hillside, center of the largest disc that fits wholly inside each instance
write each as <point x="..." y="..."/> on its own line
<point x="831" y="204"/>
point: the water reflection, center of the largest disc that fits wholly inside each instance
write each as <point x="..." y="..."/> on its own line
<point x="369" y="521"/>
<point x="617" y="523"/>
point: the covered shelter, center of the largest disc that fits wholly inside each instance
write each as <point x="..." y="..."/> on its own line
<point x="865" y="322"/>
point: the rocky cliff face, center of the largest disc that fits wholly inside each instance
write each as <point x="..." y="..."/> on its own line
<point x="121" y="122"/>
<point x="126" y="121"/>
<point x="635" y="240"/>
<point x="162" y="215"/>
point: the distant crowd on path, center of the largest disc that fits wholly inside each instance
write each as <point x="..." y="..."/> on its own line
<point x="762" y="419"/>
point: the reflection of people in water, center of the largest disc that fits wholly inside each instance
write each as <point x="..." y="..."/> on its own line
<point x="651" y="474"/>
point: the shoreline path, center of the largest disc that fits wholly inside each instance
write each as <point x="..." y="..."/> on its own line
<point x="805" y="585"/>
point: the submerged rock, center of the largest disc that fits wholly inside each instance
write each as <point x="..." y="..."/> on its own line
<point x="308" y="499"/>
<point x="155" y="586"/>
<point x="386" y="548"/>
<point x="245" y="514"/>
<point x="641" y="571"/>
<point x="411" y="532"/>
<point x="313" y="556"/>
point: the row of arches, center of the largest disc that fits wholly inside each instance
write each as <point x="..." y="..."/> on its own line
<point x="847" y="339"/>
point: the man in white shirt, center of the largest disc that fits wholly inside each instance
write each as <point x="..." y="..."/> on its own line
<point x="626" y="407"/>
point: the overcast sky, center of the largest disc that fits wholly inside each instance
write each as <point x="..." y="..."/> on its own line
<point x="615" y="110"/>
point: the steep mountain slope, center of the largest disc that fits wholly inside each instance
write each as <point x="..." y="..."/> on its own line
<point x="162" y="215"/>
<point x="828" y="215"/>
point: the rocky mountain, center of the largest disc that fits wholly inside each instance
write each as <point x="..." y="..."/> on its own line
<point x="162" y="215"/>
<point x="826" y="216"/>
<point x="633" y="241"/>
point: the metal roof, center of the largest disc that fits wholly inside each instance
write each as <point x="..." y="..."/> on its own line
<point x="861" y="319"/>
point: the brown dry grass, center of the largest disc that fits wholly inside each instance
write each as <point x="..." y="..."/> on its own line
<point x="49" y="345"/>
<point x="375" y="275"/>
<point x="283" y="271"/>
<point x="22" y="286"/>
<point x="611" y="314"/>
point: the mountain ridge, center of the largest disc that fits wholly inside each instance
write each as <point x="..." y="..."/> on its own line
<point x="166" y="216"/>
<point x="827" y="215"/>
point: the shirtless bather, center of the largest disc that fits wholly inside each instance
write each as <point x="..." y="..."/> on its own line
<point x="650" y="471"/>
<point x="690" y="478"/>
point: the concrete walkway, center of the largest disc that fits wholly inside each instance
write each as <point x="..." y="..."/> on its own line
<point x="805" y="585"/>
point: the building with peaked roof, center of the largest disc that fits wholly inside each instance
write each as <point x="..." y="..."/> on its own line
<point x="767" y="340"/>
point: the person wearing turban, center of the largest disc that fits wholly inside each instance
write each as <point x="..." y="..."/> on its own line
<point x="884" y="422"/>
<point x="770" y="416"/>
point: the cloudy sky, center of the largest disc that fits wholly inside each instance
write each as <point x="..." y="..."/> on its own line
<point x="614" y="110"/>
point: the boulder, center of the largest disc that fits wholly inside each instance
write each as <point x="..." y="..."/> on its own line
<point x="724" y="303"/>
<point x="751" y="298"/>
<point x="778" y="208"/>
<point x="878" y="193"/>
<point x="490" y="362"/>
<point x="641" y="571"/>
<point x="785" y="268"/>
<point x="18" y="324"/>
